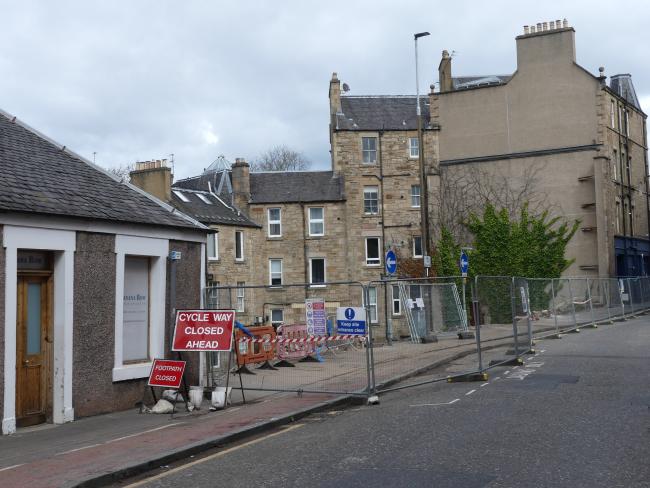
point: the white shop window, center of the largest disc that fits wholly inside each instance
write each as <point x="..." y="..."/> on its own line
<point x="135" y="310"/>
<point x="140" y="286"/>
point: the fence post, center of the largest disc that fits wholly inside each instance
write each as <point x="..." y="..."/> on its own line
<point x="573" y="305"/>
<point x="557" y="328"/>
<point x="529" y="324"/>
<point x="606" y="282"/>
<point x="369" y="343"/>
<point x="513" y="311"/>
<point x="477" y="323"/>
<point x="591" y="303"/>
<point x="629" y="295"/>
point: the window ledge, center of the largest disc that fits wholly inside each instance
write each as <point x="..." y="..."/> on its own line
<point x="242" y="261"/>
<point x="378" y="265"/>
<point x="273" y="238"/>
<point x="213" y="260"/>
<point x="317" y="286"/>
<point x="132" y="371"/>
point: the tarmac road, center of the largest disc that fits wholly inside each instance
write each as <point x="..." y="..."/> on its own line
<point x="577" y="414"/>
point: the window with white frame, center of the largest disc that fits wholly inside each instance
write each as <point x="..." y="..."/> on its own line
<point x="612" y="114"/>
<point x="615" y="165"/>
<point x="181" y="195"/>
<point x="369" y="150"/>
<point x="415" y="196"/>
<point x="373" y="257"/>
<point x="414" y="147"/>
<point x="204" y="198"/>
<point x="372" y="303"/>
<point x="275" y="272"/>
<point x="277" y="317"/>
<point x="397" y="304"/>
<point x="316" y="221"/>
<point x="212" y="295"/>
<point x="618" y="217"/>
<point x="370" y="200"/>
<point x="317" y="271"/>
<point x="135" y="328"/>
<point x="627" y="123"/>
<point x="239" y="245"/>
<point x="241" y="296"/>
<point x="213" y="247"/>
<point x="275" y="222"/>
<point x="417" y="246"/>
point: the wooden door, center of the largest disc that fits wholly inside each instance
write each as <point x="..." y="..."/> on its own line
<point x="32" y="349"/>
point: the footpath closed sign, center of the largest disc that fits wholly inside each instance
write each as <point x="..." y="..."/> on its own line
<point x="351" y="320"/>
<point x="166" y="373"/>
<point x="203" y="330"/>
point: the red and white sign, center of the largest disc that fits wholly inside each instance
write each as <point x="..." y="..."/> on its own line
<point x="167" y="373"/>
<point x="203" y="330"/>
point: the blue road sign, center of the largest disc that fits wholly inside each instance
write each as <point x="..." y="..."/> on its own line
<point x="391" y="262"/>
<point x="464" y="263"/>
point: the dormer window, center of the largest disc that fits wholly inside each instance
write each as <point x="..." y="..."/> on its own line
<point x="204" y="198"/>
<point x="180" y="195"/>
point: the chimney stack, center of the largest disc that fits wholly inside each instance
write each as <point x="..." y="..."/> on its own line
<point x="444" y="72"/>
<point x="241" y="184"/>
<point x="540" y="44"/>
<point x="335" y="95"/>
<point x="154" y="177"/>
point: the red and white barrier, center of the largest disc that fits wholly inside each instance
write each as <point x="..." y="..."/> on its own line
<point x="302" y="340"/>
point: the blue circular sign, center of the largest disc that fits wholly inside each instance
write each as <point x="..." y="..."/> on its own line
<point x="349" y="313"/>
<point x="464" y="262"/>
<point x="391" y="262"/>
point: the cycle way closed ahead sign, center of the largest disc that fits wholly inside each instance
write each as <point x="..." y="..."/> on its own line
<point x="351" y="320"/>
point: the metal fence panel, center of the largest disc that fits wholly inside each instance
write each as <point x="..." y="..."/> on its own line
<point x="300" y="358"/>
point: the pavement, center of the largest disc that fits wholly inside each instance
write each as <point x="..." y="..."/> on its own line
<point x="100" y="450"/>
<point x="575" y="415"/>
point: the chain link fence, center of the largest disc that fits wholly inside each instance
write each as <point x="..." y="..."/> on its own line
<point x="417" y="331"/>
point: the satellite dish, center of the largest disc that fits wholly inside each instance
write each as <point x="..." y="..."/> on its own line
<point x="346" y="87"/>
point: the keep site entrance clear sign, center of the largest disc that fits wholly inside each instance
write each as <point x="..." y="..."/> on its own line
<point x="166" y="373"/>
<point x="203" y="330"/>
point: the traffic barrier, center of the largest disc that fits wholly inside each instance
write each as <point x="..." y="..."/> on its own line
<point x="258" y="350"/>
<point x="294" y="342"/>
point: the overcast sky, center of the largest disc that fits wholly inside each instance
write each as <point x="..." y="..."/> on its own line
<point x="137" y="80"/>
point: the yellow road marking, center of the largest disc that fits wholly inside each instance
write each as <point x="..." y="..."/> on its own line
<point x="212" y="456"/>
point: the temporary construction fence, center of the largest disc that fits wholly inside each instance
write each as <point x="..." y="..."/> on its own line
<point x="412" y="327"/>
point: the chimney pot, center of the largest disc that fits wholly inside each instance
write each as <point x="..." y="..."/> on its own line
<point x="526" y="29"/>
<point x="539" y="27"/>
<point x="545" y="26"/>
<point x="532" y="29"/>
<point x="565" y="23"/>
<point x="551" y="25"/>
<point x="334" y="76"/>
<point x="558" y="24"/>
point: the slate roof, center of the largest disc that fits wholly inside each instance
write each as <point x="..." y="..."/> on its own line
<point x="623" y="87"/>
<point x="217" y="211"/>
<point x="39" y="176"/>
<point x="465" y="82"/>
<point x="386" y="112"/>
<point x="296" y="187"/>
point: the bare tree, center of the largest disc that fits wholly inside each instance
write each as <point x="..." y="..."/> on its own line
<point x="122" y="171"/>
<point x="467" y="189"/>
<point x="281" y="158"/>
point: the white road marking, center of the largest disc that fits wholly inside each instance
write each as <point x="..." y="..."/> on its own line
<point x="12" y="467"/>
<point x="435" y="404"/>
<point x="143" y="432"/>
<point x="77" y="449"/>
<point x="213" y="456"/>
<point x="535" y="365"/>
<point x="484" y="384"/>
<point x="469" y="392"/>
<point x="497" y="378"/>
<point x="543" y="350"/>
<point x="507" y="372"/>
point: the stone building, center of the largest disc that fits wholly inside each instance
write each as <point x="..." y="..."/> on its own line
<point x="583" y="140"/>
<point x="85" y="282"/>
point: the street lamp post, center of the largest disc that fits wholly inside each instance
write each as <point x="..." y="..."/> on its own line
<point x="424" y="194"/>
